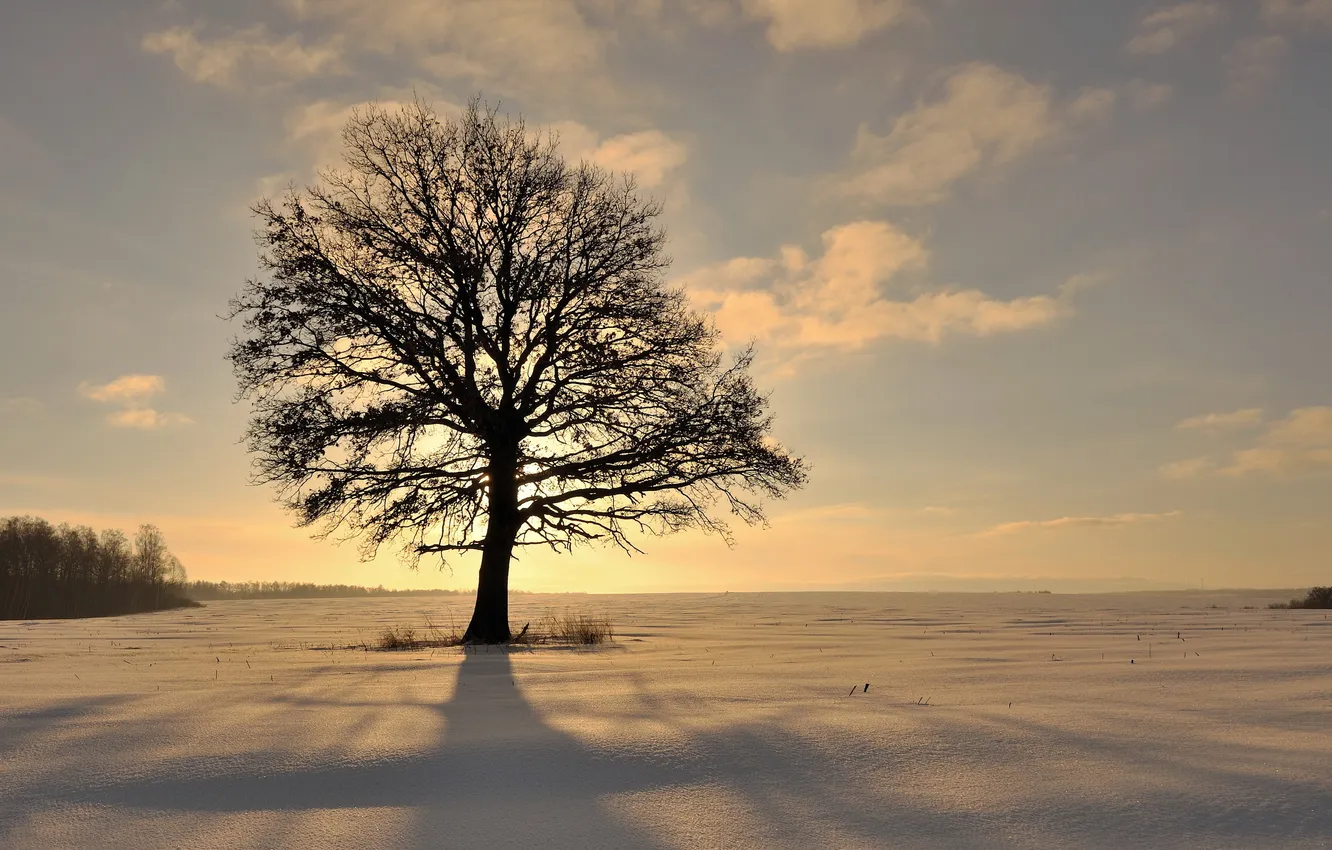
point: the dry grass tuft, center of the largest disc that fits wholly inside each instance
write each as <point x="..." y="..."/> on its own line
<point x="397" y="638"/>
<point x="569" y="629"/>
<point x="557" y="629"/>
<point x="581" y="629"/>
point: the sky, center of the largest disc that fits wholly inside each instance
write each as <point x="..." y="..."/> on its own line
<point x="1040" y="288"/>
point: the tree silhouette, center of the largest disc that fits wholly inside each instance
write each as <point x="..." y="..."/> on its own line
<point x="464" y="343"/>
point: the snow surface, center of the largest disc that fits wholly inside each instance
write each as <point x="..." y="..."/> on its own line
<point x="733" y="721"/>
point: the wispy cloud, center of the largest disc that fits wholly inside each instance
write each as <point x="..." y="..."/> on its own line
<point x="125" y="389"/>
<point x="1299" y="12"/>
<point x="314" y="129"/>
<point x="1190" y="468"/>
<point x="131" y="393"/>
<point x="1299" y="443"/>
<point x="546" y="47"/>
<point x="1249" y="417"/>
<point x="1162" y="30"/>
<point x="1143" y="95"/>
<point x="252" y="55"/>
<point x="984" y="118"/>
<point x="799" y="24"/>
<point x="1302" y="442"/>
<point x="146" y="419"/>
<point x="1110" y="521"/>
<point x="1255" y="62"/>
<point x="842" y="301"/>
<point x="651" y="155"/>
<point x="1257" y="59"/>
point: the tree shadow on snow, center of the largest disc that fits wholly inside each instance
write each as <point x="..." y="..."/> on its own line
<point x="500" y="777"/>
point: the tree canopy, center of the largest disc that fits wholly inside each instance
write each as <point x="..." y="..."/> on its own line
<point x="464" y="343"/>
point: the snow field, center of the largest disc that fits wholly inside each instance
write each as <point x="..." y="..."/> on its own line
<point x="736" y="721"/>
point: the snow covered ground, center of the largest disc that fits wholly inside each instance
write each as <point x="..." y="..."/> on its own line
<point x="736" y="721"/>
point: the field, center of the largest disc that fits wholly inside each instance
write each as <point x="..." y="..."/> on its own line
<point x="1186" y="720"/>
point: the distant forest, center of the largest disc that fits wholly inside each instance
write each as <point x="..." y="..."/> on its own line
<point x="49" y="571"/>
<point x="204" y="591"/>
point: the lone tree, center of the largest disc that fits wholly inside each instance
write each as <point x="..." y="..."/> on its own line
<point x="463" y="343"/>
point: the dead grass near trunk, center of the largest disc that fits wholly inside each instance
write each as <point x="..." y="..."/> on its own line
<point x="555" y="630"/>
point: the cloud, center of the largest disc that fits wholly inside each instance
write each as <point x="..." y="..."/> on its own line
<point x="1250" y="417"/>
<point x="1191" y="468"/>
<point x="146" y="419"/>
<point x="1162" y="30"/>
<point x="650" y="155"/>
<point x="130" y="392"/>
<point x="800" y="24"/>
<point x="1112" y="521"/>
<point x="544" y="47"/>
<point x="1093" y="104"/>
<point x="1143" y="95"/>
<point x="1255" y="62"/>
<point x="839" y="301"/>
<point x="243" y="56"/>
<point x="1298" y="12"/>
<point x="506" y="45"/>
<point x="1302" y="442"/>
<point x="1299" y="443"/>
<point x="316" y="128"/>
<point x="985" y="118"/>
<point x="125" y="389"/>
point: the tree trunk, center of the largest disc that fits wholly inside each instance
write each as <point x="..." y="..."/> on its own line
<point x="490" y="617"/>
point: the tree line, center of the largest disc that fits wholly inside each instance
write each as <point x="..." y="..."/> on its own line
<point x="203" y="591"/>
<point x="1317" y="597"/>
<point x="49" y="571"/>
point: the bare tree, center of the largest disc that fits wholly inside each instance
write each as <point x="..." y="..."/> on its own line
<point x="464" y="343"/>
<point x="150" y="553"/>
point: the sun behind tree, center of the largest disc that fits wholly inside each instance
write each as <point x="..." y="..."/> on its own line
<point x="463" y="343"/>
